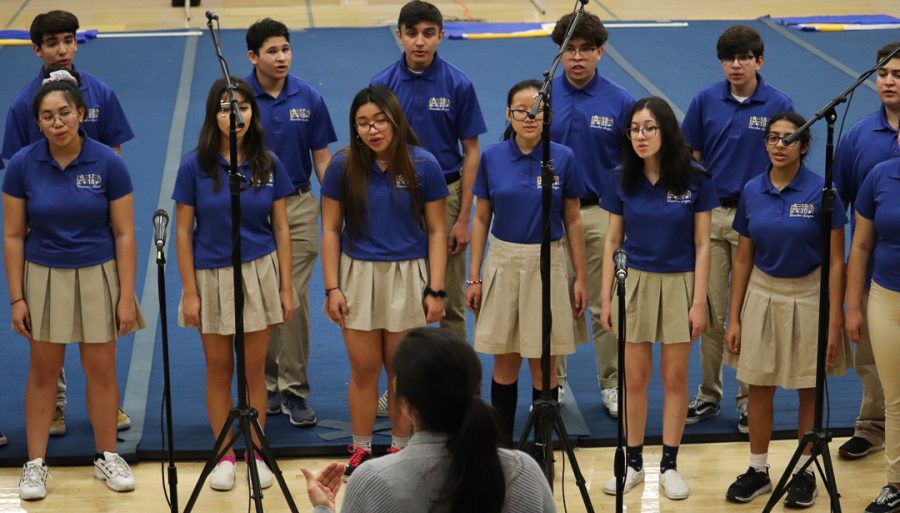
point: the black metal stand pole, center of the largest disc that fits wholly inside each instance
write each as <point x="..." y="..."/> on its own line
<point x="619" y="465"/>
<point x="167" y="384"/>
<point x="818" y="438"/>
<point x="545" y="414"/>
<point x="245" y="415"/>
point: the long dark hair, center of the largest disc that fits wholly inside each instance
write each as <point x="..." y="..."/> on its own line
<point x="359" y="158"/>
<point x="440" y="376"/>
<point x="210" y="141"/>
<point x="521" y="86"/>
<point x="676" y="168"/>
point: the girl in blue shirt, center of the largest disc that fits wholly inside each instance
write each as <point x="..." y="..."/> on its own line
<point x="504" y="292"/>
<point x="773" y="315"/>
<point x="661" y="208"/>
<point x="203" y="212"/>
<point x="382" y="217"/>
<point x="877" y="240"/>
<point x="70" y="267"/>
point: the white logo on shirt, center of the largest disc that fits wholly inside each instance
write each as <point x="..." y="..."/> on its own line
<point x="92" y="114"/>
<point x="683" y="199"/>
<point x="400" y="182"/>
<point x="603" y="122"/>
<point x="439" y="104"/>
<point x="758" y="122"/>
<point x="555" y="182"/>
<point x="806" y="210"/>
<point x="88" y="181"/>
<point x="299" y="114"/>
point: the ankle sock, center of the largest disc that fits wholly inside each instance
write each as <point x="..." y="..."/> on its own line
<point x="759" y="462"/>
<point x="399" y="442"/>
<point x="536" y="393"/>
<point x="669" y="460"/>
<point x="363" y="442"/>
<point x="228" y="457"/>
<point x="634" y="457"/>
<point x="802" y="461"/>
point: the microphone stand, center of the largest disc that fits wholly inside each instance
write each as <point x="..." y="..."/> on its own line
<point x="167" y="384"/>
<point x="545" y="416"/>
<point x="619" y="465"/>
<point x="245" y="415"/>
<point x="818" y="438"/>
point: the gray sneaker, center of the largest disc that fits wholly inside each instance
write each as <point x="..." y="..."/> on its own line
<point x="300" y="413"/>
<point x="383" y="410"/>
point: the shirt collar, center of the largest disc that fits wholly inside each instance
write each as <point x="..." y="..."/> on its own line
<point x="428" y="437"/>
<point x="795" y="185"/>
<point x="758" y="95"/>
<point x="515" y="154"/>
<point x="291" y="87"/>
<point x="588" y="89"/>
<point x="430" y="73"/>
<point x="884" y="125"/>
<point x="87" y="154"/>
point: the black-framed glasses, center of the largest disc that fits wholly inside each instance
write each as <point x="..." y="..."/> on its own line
<point x="582" y="50"/>
<point x="772" y="140"/>
<point x="522" y="115"/>
<point x="742" y="59"/>
<point x="648" y="132"/>
<point x="364" y="127"/>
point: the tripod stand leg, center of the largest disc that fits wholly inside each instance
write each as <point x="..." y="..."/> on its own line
<point x="781" y="488"/>
<point x="560" y="428"/>
<point x="252" y="470"/>
<point x="219" y="450"/>
<point x="267" y="456"/>
<point x="829" y="478"/>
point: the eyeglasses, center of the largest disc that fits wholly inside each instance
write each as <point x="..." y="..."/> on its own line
<point x="648" y="132"/>
<point x="522" y="115"/>
<point x="584" y="50"/>
<point x="742" y="59"/>
<point x="772" y="140"/>
<point x="49" y="119"/>
<point x="364" y="127"/>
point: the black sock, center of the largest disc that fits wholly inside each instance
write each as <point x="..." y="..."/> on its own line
<point x="669" y="458"/>
<point x="536" y="393"/>
<point x="634" y="457"/>
<point x="503" y="399"/>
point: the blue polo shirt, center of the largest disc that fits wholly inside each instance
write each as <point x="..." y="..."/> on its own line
<point x="104" y="120"/>
<point x="212" y="211"/>
<point x="784" y="225"/>
<point x="659" y="225"/>
<point x="730" y="135"/>
<point x="870" y="141"/>
<point x="440" y="104"/>
<point x="877" y="199"/>
<point x="592" y="122"/>
<point x="392" y="231"/>
<point x="295" y="123"/>
<point x="511" y="181"/>
<point x="67" y="210"/>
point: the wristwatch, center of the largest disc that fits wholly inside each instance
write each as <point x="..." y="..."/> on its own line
<point x="435" y="293"/>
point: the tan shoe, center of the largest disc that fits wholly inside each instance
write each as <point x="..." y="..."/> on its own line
<point x="124" y="421"/>
<point x="58" y="426"/>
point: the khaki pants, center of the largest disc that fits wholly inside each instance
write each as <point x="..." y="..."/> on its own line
<point x="883" y="321"/>
<point x="595" y="221"/>
<point x="870" y="422"/>
<point x="723" y="249"/>
<point x="287" y="360"/>
<point x="455" y="276"/>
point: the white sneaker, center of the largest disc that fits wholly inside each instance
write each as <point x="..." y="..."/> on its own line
<point x="266" y="477"/>
<point x="673" y="485"/>
<point x="113" y="469"/>
<point x="33" y="485"/>
<point x="632" y="477"/>
<point x="222" y="477"/>
<point x="611" y="401"/>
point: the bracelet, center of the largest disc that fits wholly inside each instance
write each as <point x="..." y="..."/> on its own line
<point x="473" y="282"/>
<point x="331" y="289"/>
<point x="434" y="293"/>
<point x="17" y="300"/>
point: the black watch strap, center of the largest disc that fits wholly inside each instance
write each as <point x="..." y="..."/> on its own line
<point x="435" y="293"/>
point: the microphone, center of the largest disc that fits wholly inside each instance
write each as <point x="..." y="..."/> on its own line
<point x="793" y="136"/>
<point x="212" y="16"/>
<point x="620" y="259"/>
<point x="160" y="226"/>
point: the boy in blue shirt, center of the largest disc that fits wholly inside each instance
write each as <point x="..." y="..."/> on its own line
<point x="871" y="140"/>
<point x="53" y="41"/>
<point x="589" y="115"/>
<point x="725" y="126"/>
<point x="297" y="126"/>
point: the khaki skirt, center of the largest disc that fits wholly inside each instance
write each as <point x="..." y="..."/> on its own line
<point x="509" y="320"/>
<point x="262" y="301"/>
<point x="383" y="295"/>
<point x="656" y="307"/>
<point x="779" y="333"/>
<point x="74" y="305"/>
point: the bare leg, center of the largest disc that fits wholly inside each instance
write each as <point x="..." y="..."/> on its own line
<point x="674" y="370"/>
<point x="805" y="414"/>
<point x="759" y="416"/>
<point x="401" y="426"/>
<point x="99" y="364"/>
<point x="364" y="348"/>
<point x="219" y="372"/>
<point x="256" y="345"/>
<point x="638" y="369"/>
<point x="45" y="362"/>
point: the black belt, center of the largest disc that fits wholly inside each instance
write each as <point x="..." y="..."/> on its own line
<point x="452" y="178"/>
<point x="303" y="189"/>
<point x="730" y="202"/>
<point x="590" y="201"/>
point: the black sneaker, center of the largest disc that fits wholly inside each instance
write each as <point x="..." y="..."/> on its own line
<point x="743" y="423"/>
<point x="749" y="485"/>
<point x="701" y="409"/>
<point x="802" y="491"/>
<point x="273" y="401"/>
<point x="358" y="456"/>
<point x="300" y="413"/>
<point x="2" y="439"/>
<point x="888" y="501"/>
<point x="857" y="447"/>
